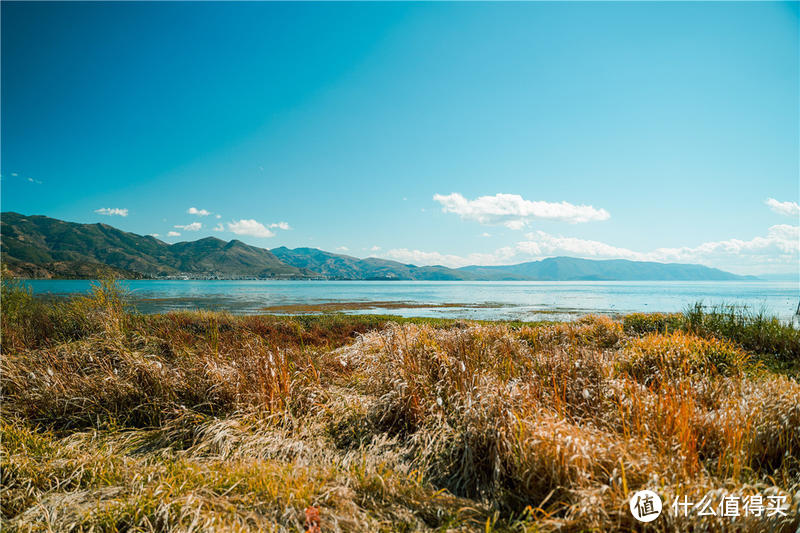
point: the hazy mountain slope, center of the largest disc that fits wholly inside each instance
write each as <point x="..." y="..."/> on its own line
<point x="233" y="258"/>
<point x="338" y="266"/>
<point x="421" y="273"/>
<point x="574" y="269"/>
<point x="65" y="270"/>
<point x="329" y="265"/>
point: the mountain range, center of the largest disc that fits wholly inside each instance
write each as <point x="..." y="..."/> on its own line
<point x="37" y="246"/>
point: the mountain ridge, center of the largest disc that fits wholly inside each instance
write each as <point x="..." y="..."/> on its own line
<point x="562" y="268"/>
<point x="37" y="246"/>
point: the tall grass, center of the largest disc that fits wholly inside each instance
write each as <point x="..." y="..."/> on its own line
<point x="754" y="331"/>
<point x="205" y="421"/>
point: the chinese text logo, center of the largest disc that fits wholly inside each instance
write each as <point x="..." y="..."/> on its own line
<point x="645" y="506"/>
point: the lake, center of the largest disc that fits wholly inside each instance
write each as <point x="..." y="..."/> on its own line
<point x="514" y="300"/>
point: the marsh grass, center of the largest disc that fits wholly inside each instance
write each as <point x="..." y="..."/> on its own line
<point x="776" y="342"/>
<point x="199" y="421"/>
<point x="756" y="332"/>
<point x="644" y="323"/>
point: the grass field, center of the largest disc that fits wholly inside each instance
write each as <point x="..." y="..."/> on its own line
<point x="115" y="421"/>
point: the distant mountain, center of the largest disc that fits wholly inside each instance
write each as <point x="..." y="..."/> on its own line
<point x="336" y="266"/>
<point x="233" y="258"/>
<point x="41" y="247"/>
<point x="38" y="246"/>
<point x="574" y="269"/>
<point x="780" y="277"/>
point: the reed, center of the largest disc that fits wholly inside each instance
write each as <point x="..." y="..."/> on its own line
<point x="114" y="421"/>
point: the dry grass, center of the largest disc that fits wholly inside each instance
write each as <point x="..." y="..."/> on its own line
<point x="113" y="421"/>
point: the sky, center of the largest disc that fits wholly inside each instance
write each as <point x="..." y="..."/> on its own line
<point x="438" y="133"/>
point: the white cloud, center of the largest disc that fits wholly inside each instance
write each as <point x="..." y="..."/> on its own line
<point x="375" y="248"/>
<point x="249" y="227"/>
<point x="418" y="257"/>
<point x="777" y="251"/>
<point x="485" y="234"/>
<point x="790" y="209"/>
<point x="155" y="235"/>
<point x="280" y="225"/>
<point x="219" y="227"/>
<point x="111" y="211"/>
<point x="14" y="174"/>
<point x="500" y="256"/>
<point x="514" y="212"/>
<point x="198" y="212"/>
<point x="194" y="226"/>
<point x="781" y="241"/>
<point x="541" y="244"/>
<point x="343" y="249"/>
<point x="173" y="234"/>
<point x="781" y="244"/>
<point x="218" y="216"/>
<point x="515" y="224"/>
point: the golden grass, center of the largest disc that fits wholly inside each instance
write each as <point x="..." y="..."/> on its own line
<point x="204" y="421"/>
<point x="658" y="357"/>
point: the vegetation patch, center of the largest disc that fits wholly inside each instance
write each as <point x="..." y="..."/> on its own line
<point x="199" y="421"/>
<point x="660" y="357"/>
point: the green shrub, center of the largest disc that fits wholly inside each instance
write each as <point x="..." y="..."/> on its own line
<point x="643" y="323"/>
<point x="755" y="332"/>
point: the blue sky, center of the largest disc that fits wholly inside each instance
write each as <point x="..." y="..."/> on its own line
<point x="449" y="133"/>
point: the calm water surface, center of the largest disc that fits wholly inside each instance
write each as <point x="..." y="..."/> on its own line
<point x="539" y="300"/>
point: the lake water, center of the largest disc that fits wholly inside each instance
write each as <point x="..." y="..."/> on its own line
<point x="516" y="300"/>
